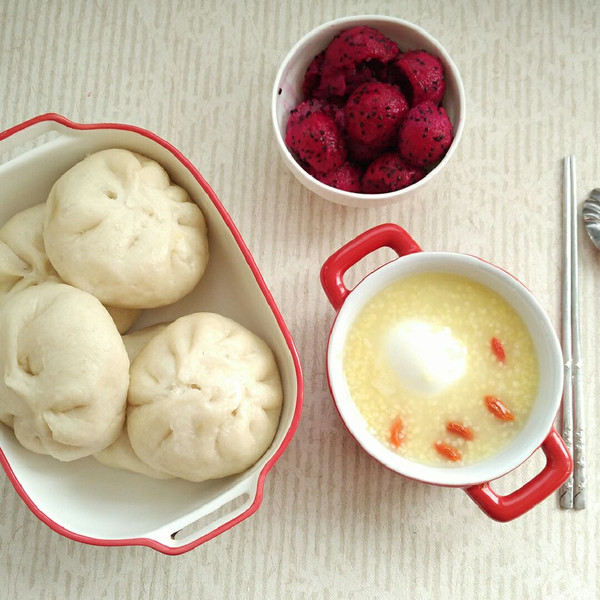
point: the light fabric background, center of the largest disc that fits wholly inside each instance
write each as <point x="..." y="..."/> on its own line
<point x="333" y="524"/>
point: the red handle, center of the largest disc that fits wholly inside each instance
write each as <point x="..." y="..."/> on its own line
<point x="556" y="471"/>
<point x="333" y="269"/>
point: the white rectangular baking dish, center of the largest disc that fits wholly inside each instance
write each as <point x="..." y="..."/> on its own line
<point x="85" y="500"/>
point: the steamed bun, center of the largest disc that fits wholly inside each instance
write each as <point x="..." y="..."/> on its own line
<point x="64" y="371"/>
<point x="124" y="318"/>
<point x="117" y="227"/>
<point x="136" y="340"/>
<point x="120" y="454"/>
<point x="23" y="259"/>
<point x="24" y="262"/>
<point x="204" y="398"/>
<point x="5" y="417"/>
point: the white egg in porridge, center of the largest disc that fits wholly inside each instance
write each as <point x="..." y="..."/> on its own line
<point x="442" y="369"/>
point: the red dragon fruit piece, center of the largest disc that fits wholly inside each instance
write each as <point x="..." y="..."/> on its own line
<point x="337" y="113"/>
<point x="362" y="153"/>
<point x="359" y="44"/>
<point x="332" y="84"/>
<point x="347" y="178"/>
<point x="318" y="142"/>
<point x="374" y="112"/>
<point x="303" y="110"/>
<point x="312" y="105"/>
<point x="336" y="83"/>
<point x="312" y="77"/>
<point x="342" y="69"/>
<point x="425" y="134"/>
<point x="361" y="73"/>
<point x="389" y="173"/>
<point x="420" y="75"/>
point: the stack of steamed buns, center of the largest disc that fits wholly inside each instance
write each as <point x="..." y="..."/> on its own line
<point x="199" y="398"/>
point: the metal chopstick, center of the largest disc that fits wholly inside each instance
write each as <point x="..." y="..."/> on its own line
<point x="577" y="397"/>
<point x="566" y="490"/>
<point x="572" y="493"/>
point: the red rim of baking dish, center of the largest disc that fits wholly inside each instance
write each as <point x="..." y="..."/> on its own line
<point x="151" y="543"/>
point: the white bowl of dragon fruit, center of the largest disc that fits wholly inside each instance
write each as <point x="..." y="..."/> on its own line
<point x="367" y="110"/>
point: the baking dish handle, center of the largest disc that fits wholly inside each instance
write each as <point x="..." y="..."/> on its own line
<point x="556" y="471"/>
<point x="30" y="130"/>
<point x="334" y="268"/>
<point x="212" y="520"/>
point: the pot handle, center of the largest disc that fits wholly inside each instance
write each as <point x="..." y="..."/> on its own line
<point x="332" y="272"/>
<point x="556" y="471"/>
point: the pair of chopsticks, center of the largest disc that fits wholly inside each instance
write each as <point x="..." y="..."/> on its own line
<point x="572" y="492"/>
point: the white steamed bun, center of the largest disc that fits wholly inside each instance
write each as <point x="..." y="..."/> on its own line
<point x="204" y="399"/>
<point x="24" y="262"/>
<point x="118" y="228"/>
<point x="120" y="454"/>
<point x="23" y="259"/>
<point x="136" y="340"/>
<point x="64" y="371"/>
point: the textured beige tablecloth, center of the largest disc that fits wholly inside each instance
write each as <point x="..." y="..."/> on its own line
<point x="333" y="524"/>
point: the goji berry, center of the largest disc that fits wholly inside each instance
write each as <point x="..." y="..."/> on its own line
<point x="459" y="429"/>
<point x="498" y="409"/>
<point x="498" y="349"/>
<point x="397" y="433"/>
<point x="448" y="451"/>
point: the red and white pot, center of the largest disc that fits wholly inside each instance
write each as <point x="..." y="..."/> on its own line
<point x="538" y="431"/>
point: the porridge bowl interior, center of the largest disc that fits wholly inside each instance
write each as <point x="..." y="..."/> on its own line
<point x="409" y="347"/>
<point x="420" y="366"/>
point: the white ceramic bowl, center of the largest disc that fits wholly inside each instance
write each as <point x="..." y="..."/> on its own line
<point x="87" y="501"/>
<point x="287" y="94"/>
<point x="538" y="430"/>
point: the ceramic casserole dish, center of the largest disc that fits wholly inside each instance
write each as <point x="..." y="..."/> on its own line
<point x="84" y="500"/>
<point x="537" y="430"/>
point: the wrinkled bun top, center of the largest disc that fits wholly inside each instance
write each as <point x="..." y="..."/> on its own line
<point x="64" y="371"/>
<point x="23" y="259"/>
<point x="24" y="262"/>
<point x="204" y="399"/>
<point x="117" y="227"/>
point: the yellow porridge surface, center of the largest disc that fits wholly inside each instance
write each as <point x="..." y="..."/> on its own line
<point x="442" y="369"/>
